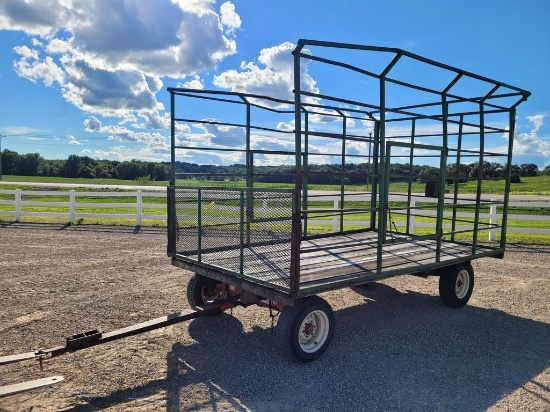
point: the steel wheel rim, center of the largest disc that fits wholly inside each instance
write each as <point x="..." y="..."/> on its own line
<point x="313" y="331"/>
<point x="210" y="294"/>
<point x="462" y="284"/>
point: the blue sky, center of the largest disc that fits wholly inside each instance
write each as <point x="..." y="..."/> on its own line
<point x="89" y="77"/>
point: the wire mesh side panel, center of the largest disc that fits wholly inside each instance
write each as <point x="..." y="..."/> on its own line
<point x="245" y="231"/>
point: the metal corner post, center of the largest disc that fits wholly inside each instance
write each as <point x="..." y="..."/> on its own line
<point x="296" y="203"/>
<point x="511" y="130"/>
<point x="171" y="193"/>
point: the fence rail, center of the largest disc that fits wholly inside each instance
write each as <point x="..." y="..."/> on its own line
<point x="18" y="207"/>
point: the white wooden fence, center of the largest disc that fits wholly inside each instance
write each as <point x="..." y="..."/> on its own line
<point x="143" y="210"/>
<point x="20" y="204"/>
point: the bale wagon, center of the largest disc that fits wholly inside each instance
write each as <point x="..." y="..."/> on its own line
<point x="251" y="242"/>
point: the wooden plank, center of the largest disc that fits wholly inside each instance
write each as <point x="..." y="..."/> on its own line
<point x="331" y="259"/>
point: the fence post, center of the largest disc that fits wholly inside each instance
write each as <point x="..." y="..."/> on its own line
<point x="18" y="205"/>
<point x="72" y="205"/>
<point x="492" y="219"/>
<point x="139" y="212"/>
<point x="411" y="218"/>
<point x="335" y="216"/>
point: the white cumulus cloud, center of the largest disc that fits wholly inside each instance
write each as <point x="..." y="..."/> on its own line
<point x="273" y="76"/>
<point x="109" y="57"/>
<point x="195" y="83"/>
<point x="531" y="143"/>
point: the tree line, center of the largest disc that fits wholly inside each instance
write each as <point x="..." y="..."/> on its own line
<point x="33" y="164"/>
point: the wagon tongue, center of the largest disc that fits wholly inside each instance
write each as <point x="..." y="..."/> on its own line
<point x="96" y="337"/>
<point x="28" y="386"/>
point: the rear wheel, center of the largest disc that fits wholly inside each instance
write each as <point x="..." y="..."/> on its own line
<point x="456" y="285"/>
<point x="201" y="290"/>
<point x="305" y="331"/>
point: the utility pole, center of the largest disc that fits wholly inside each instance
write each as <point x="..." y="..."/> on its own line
<point x="1" y="136"/>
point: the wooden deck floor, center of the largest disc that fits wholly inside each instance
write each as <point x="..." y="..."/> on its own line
<point x="327" y="260"/>
<point x="354" y="255"/>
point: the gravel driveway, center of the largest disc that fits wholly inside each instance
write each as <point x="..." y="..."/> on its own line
<point x="396" y="348"/>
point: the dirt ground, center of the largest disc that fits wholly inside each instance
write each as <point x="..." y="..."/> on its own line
<point x="396" y="348"/>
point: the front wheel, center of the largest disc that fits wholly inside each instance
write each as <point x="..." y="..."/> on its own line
<point x="305" y="331"/>
<point x="201" y="290"/>
<point x="456" y="285"/>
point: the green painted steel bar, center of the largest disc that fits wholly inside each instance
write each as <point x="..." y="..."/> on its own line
<point x="382" y="198"/>
<point x="417" y="145"/>
<point x="241" y="217"/>
<point x="512" y="124"/>
<point x="171" y="198"/>
<point x="382" y="204"/>
<point x="409" y="185"/>
<point x="479" y="177"/>
<point x="249" y="177"/>
<point x="296" y="203"/>
<point x="305" y="181"/>
<point x="375" y="175"/>
<point x="242" y="96"/>
<point x="249" y="160"/>
<point x="237" y="189"/>
<point x="442" y="172"/>
<point x="199" y="223"/>
<point x="172" y="140"/>
<point x="304" y="42"/>
<point x="456" y="180"/>
<point x="343" y="168"/>
<point x="386" y="184"/>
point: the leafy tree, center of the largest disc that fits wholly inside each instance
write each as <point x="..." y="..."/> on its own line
<point x="528" y="169"/>
<point x="459" y="173"/>
<point x="28" y="164"/>
<point x="515" y="170"/>
<point x="428" y="173"/>
<point x="10" y="162"/>
<point x="490" y="170"/>
<point x="72" y="166"/>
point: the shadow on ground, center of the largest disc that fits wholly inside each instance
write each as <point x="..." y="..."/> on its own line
<point x="397" y="351"/>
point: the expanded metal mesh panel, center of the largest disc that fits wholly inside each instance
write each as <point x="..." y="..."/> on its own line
<point x="247" y="231"/>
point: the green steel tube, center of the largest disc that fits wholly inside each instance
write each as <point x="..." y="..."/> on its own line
<point x="172" y="140"/>
<point x="342" y="178"/>
<point x="375" y="179"/>
<point x="296" y="203"/>
<point x="306" y="169"/>
<point x="241" y="255"/>
<point x="479" y="175"/>
<point x="199" y="223"/>
<point x="409" y="186"/>
<point x="512" y="123"/>
<point x="455" y="190"/>
<point x="249" y="176"/>
<point x="442" y="178"/>
<point x="382" y="196"/>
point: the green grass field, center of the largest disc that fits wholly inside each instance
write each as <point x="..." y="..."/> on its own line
<point x="530" y="186"/>
<point x="539" y="185"/>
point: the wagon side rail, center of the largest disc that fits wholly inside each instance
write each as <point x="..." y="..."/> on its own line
<point x="249" y="233"/>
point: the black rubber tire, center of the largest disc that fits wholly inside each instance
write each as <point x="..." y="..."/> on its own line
<point x="317" y="315"/>
<point x="456" y="285"/>
<point x="198" y="287"/>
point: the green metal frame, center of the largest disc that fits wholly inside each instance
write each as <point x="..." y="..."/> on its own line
<point x="500" y="99"/>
